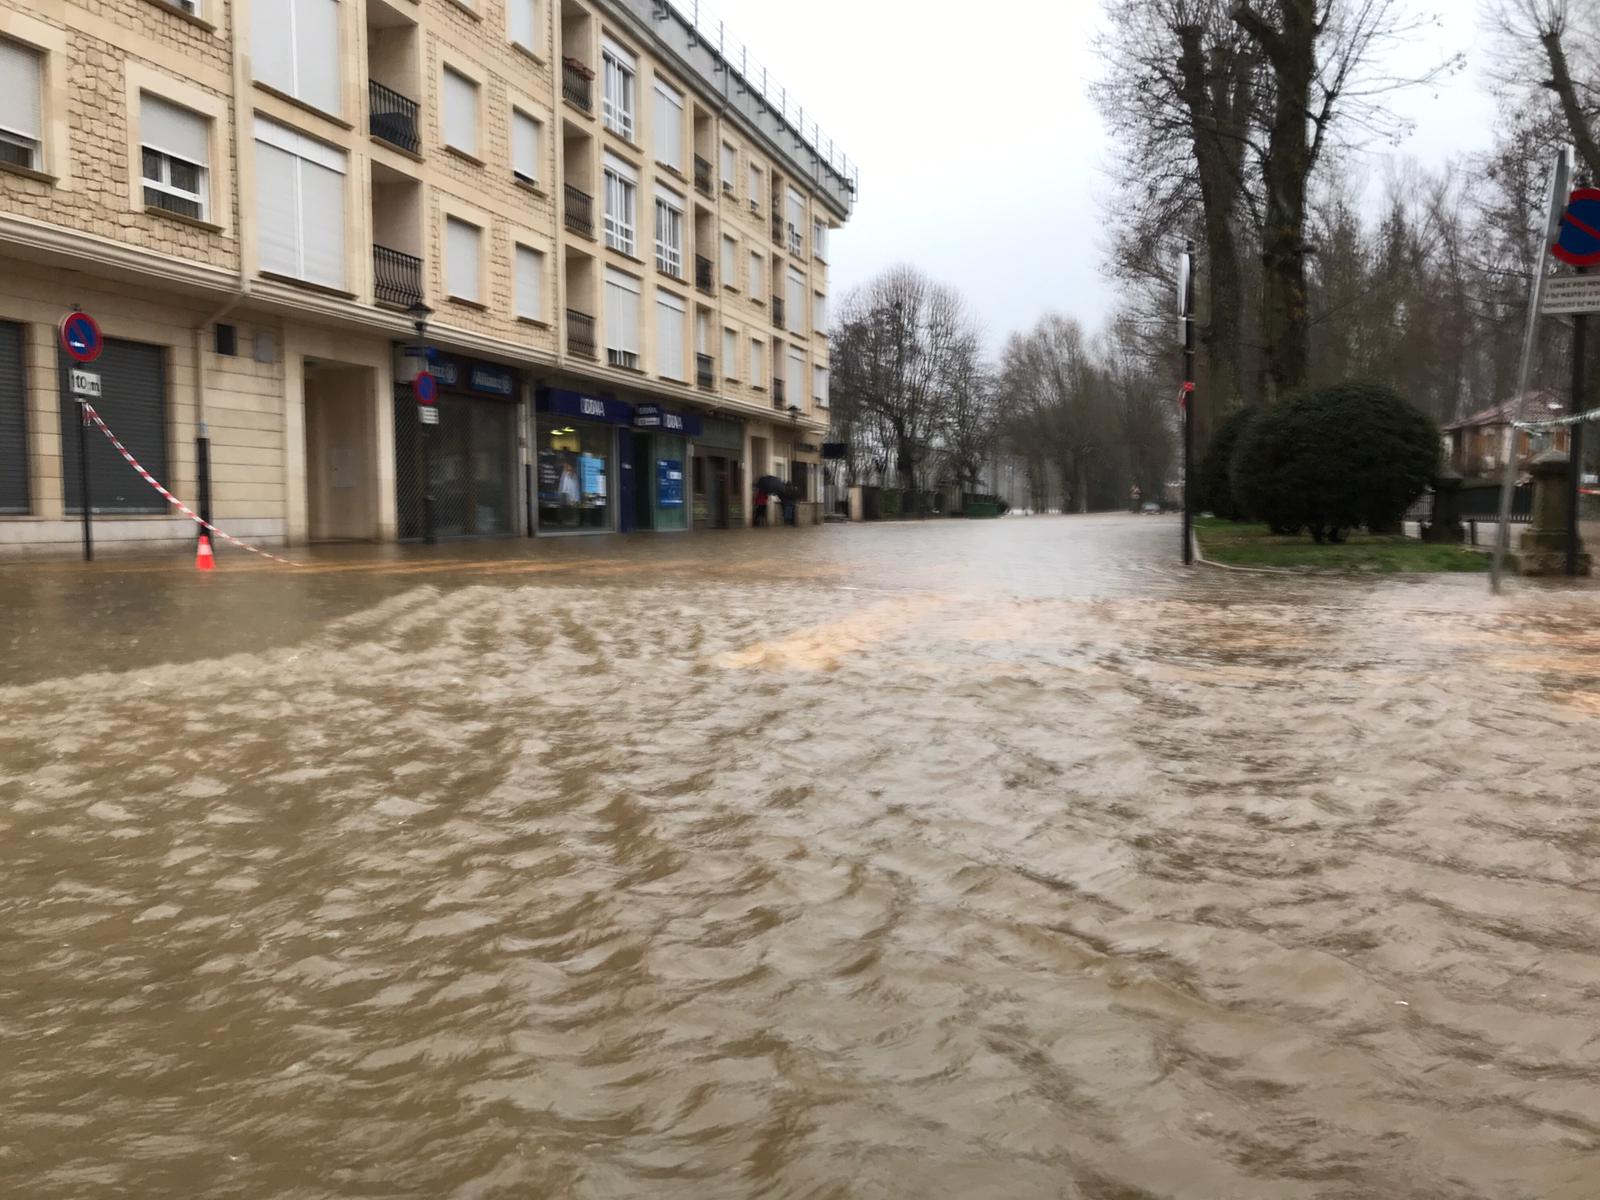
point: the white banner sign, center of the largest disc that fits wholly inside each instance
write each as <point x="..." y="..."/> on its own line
<point x="1568" y="295"/>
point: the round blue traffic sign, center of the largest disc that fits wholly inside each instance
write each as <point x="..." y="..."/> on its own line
<point x="1579" y="243"/>
<point x="80" y="337"/>
<point x="426" y="388"/>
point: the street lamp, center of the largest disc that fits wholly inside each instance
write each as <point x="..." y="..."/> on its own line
<point x="419" y="314"/>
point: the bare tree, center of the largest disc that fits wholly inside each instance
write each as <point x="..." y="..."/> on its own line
<point x="1562" y="37"/>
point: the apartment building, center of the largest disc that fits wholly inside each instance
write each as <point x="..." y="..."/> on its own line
<point x="596" y="225"/>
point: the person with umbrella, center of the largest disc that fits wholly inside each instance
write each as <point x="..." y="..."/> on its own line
<point x="766" y="487"/>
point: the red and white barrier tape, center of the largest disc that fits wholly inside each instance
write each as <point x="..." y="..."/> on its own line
<point x="169" y="497"/>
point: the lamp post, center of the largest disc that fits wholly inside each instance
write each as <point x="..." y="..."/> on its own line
<point x="419" y="314"/>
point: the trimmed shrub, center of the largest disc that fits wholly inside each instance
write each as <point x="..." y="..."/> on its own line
<point x="1334" y="458"/>
<point x="1214" y="480"/>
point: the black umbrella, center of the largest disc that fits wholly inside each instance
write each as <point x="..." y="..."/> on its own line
<point x="770" y="484"/>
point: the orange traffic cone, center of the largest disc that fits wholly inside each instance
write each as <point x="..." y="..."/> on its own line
<point x="204" y="560"/>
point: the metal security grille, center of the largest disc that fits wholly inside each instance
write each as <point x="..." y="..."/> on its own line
<point x="13" y="423"/>
<point x="133" y="383"/>
<point x="471" y="461"/>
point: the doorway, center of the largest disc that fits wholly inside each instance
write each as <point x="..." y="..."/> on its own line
<point x="341" y="453"/>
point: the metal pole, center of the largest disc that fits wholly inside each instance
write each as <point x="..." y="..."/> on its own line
<point x="202" y="458"/>
<point x="1580" y="349"/>
<point x="1188" y="411"/>
<point x="83" y="480"/>
<point x="429" y="538"/>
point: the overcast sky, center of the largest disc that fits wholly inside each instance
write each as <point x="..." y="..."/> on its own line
<point x="983" y="160"/>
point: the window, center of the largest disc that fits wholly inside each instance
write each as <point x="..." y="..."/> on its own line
<point x="795" y="302"/>
<point x="730" y="354"/>
<point x="622" y="319"/>
<point x="669" y="126"/>
<point x="819" y="239"/>
<point x="529" y="299"/>
<point x="669" y="334"/>
<point x="669" y="232"/>
<point x="730" y="167"/>
<point x="175" y="152"/>
<point x="819" y="313"/>
<point x="758" y="363"/>
<point x="294" y="46"/>
<point x="797" y="376"/>
<point x="460" y="112"/>
<point x="463" y="249"/>
<point x="522" y="23"/>
<point x="622" y="189"/>
<point x="300" y="205"/>
<point x="617" y="102"/>
<point x="755" y="189"/>
<point x="730" y="262"/>
<point x="21" y="115"/>
<point x="797" y="220"/>
<point x="819" y="386"/>
<point x="525" y="142"/>
<point x="758" y="277"/>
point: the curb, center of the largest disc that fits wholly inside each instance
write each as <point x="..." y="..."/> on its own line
<point x="1200" y="558"/>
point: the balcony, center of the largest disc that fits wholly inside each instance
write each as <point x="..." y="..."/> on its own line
<point x="777" y="312"/>
<point x="705" y="373"/>
<point x="396" y="277"/>
<point x="577" y="85"/>
<point x="580" y="211"/>
<point x="778" y="400"/>
<point x="580" y="334"/>
<point x="393" y="118"/>
<point x="702" y="275"/>
<point x="777" y="229"/>
<point x="702" y="176"/>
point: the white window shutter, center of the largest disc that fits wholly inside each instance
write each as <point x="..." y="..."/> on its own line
<point x="757" y="363"/>
<point x="522" y="23"/>
<point x="277" y="210"/>
<point x="524" y="145"/>
<point x="175" y="131"/>
<point x="272" y="47"/>
<point x="819" y="312"/>
<point x="819" y="385"/>
<point x="702" y="331"/>
<point x="21" y="81"/>
<point x="795" y="308"/>
<point x="669" y="335"/>
<point x="730" y="164"/>
<point x="461" y="252"/>
<point x="622" y="312"/>
<point x="460" y="112"/>
<point x="316" y="51"/>
<point x="669" y="126"/>
<point x="530" y="283"/>
<point x="758" y="280"/>
<point x="322" y="223"/>
<point x="730" y="262"/>
<point x="730" y="354"/>
<point x="797" y="377"/>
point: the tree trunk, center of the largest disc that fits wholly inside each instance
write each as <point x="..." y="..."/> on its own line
<point x="1292" y="51"/>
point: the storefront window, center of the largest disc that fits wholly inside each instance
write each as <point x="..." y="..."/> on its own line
<point x="669" y="482"/>
<point x="574" y="475"/>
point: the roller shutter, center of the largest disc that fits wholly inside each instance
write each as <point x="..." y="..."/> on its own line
<point x="133" y="403"/>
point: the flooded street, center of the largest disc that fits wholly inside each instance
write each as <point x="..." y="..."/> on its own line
<point x="984" y="860"/>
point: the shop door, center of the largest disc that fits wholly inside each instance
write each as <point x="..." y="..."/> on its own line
<point x="14" y="496"/>
<point x="133" y="403"/>
<point x="717" y="492"/>
<point x="643" y="483"/>
<point x="626" y="483"/>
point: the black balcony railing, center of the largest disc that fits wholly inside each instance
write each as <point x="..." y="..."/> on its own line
<point x="580" y="211"/>
<point x="702" y="175"/>
<point x="393" y="117"/>
<point x="702" y="274"/>
<point x="705" y="373"/>
<point x="396" y="277"/>
<point x="777" y="312"/>
<point x="580" y="334"/>
<point x="778" y="400"/>
<point x="577" y="84"/>
<point x="777" y="230"/>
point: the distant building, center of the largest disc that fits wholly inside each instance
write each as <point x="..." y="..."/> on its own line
<point x="1475" y="445"/>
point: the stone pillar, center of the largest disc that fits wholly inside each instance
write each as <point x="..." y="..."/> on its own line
<point x="1544" y="544"/>
<point x="1445" y="525"/>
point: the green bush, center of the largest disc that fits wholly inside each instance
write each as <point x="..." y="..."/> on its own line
<point x="1333" y="458"/>
<point x="1214" y="480"/>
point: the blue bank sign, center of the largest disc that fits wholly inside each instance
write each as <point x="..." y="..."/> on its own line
<point x="653" y="416"/>
<point x="584" y="406"/>
<point x="476" y="377"/>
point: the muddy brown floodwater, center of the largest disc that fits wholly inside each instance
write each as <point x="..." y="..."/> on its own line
<point x="982" y="860"/>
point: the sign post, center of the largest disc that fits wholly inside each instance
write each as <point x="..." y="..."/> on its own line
<point x="1560" y="180"/>
<point x="1578" y="245"/>
<point x="82" y="342"/>
<point x="1186" y="317"/>
<point x="426" y="388"/>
